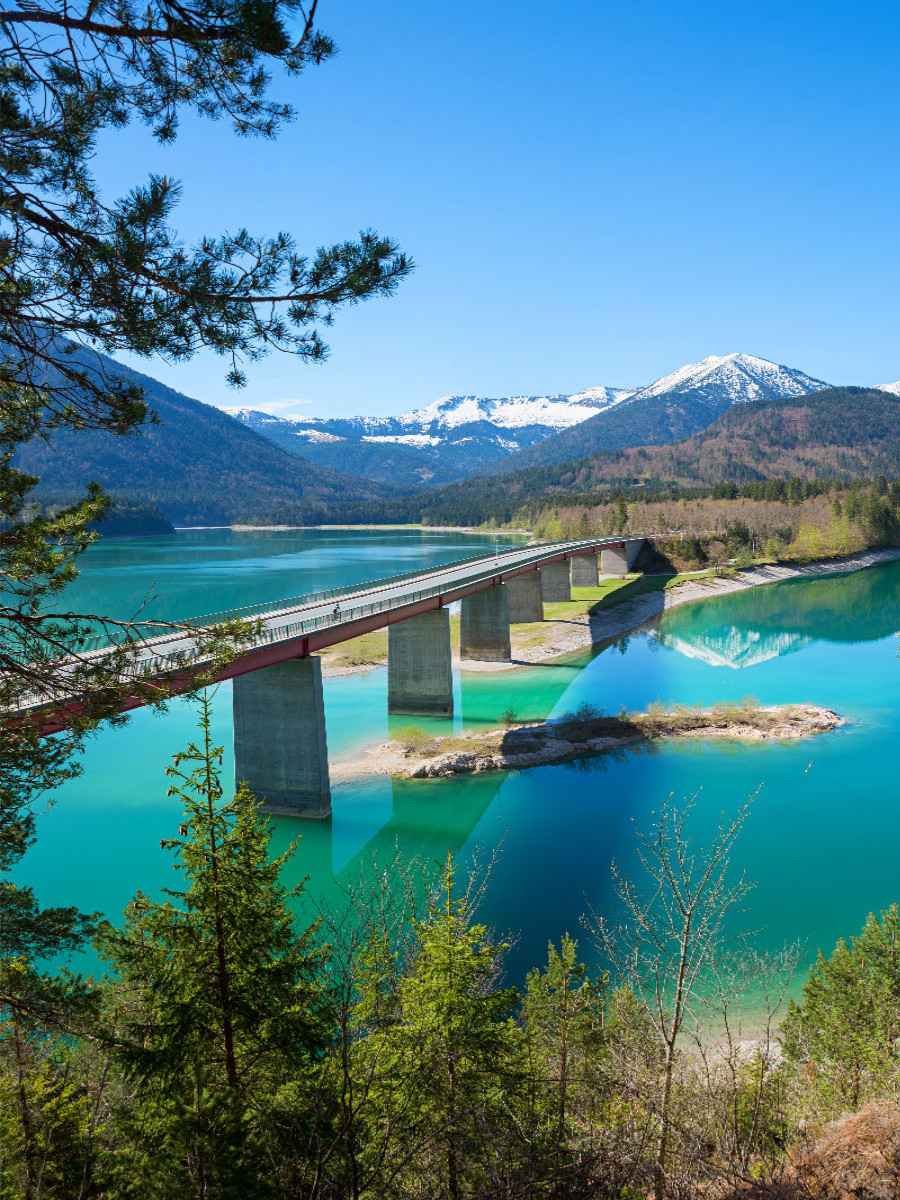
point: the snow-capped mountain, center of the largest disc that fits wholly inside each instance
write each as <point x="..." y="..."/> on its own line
<point x="516" y="412"/>
<point x="735" y="377"/>
<point x="669" y="409"/>
<point x="890" y="387"/>
<point x="440" y="443"/>
<point x="459" y="436"/>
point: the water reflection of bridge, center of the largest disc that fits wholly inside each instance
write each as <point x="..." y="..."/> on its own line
<point x="412" y="825"/>
<point x="413" y="817"/>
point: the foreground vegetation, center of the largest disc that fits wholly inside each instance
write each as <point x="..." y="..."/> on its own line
<point x="379" y="1053"/>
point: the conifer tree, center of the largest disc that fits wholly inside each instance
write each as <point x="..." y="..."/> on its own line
<point x="81" y="272"/>
<point x="843" y="1035"/>
<point x="449" y="1064"/>
<point x="218" y="1018"/>
<point x="563" y="1015"/>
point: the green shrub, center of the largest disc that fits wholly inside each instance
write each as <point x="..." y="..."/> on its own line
<point x="414" y="740"/>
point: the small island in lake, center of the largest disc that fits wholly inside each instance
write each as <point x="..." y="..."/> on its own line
<point x="414" y="754"/>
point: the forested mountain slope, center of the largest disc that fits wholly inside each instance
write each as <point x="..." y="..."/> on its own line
<point x="840" y="432"/>
<point x="836" y="433"/>
<point x="198" y="465"/>
<point x="402" y="466"/>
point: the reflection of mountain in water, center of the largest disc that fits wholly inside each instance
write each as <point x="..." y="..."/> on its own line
<point x="744" y="628"/>
<point x="734" y="647"/>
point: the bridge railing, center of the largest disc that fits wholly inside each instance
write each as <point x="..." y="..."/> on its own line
<point x="270" y="608"/>
<point x="304" y="626"/>
<point x="162" y="662"/>
<point x="265" y="608"/>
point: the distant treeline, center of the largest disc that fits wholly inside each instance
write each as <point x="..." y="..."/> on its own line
<point x="801" y="521"/>
<point x="497" y="502"/>
<point x="125" y="518"/>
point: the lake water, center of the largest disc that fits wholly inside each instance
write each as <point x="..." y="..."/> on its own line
<point x="822" y="843"/>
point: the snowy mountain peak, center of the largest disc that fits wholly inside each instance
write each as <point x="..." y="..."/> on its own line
<point x="458" y="436"/>
<point x="515" y="412"/>
<point x="738" y="377"/>
<point x="890" y="387"/>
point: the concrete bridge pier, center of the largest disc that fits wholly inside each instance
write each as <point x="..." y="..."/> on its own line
<point x="279" y="738"/>
<point x="619" y="561"/>
<point x="484" y="625"/>
<point x="585" y="570"/>
<point x="420" y="678"/>
<point x="555" y="584"/>
<point x="525" y="599"/>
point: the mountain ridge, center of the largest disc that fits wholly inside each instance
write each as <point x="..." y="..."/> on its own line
<point x="447" y="440"/>
<point x="461" y="436"/>
<point x="198" y="465"/>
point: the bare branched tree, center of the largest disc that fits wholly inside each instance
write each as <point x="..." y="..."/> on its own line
<point x="737" y="1061"/>
<point x="674" y="928"/>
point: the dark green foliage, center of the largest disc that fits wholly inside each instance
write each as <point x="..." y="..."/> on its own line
<point x="124" y="518"/>
<point x="128" y="518"/>
<point x="843" y="1036"/>
<point x="445" y="1063"/>
<point x="83" y="274"/>
<point x="217" y="1018"/>
<point x="563" y="1013"/>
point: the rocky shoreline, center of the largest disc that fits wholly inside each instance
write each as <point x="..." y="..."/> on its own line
<point x="532" y="745"/>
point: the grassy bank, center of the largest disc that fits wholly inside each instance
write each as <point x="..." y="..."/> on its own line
<point x="370" y="650"/>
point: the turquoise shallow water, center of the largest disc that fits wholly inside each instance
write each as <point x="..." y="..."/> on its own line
<point x="822" y="843"/>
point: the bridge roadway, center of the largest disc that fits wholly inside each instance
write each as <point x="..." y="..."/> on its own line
<point x="280" y="745"/>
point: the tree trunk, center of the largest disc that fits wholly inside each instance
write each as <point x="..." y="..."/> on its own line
<point x="24" y="1114"/>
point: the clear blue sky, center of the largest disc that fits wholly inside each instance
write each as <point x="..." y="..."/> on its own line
<point x="594" y="193"/>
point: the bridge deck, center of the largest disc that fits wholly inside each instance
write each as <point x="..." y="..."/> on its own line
<point x="306" y="627"/>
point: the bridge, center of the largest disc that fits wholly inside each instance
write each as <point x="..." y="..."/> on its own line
<point x="280" y="740"/>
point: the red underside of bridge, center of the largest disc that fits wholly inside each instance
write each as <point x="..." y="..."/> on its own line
<point x="266" y="656"/>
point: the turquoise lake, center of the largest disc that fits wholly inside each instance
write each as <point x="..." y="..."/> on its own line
<point x="822" y="844"/>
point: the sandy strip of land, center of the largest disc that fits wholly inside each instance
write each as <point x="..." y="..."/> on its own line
<point x="538" y="743"/>
<point x="581" y="633"/>
<point x="420" y="528"/>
